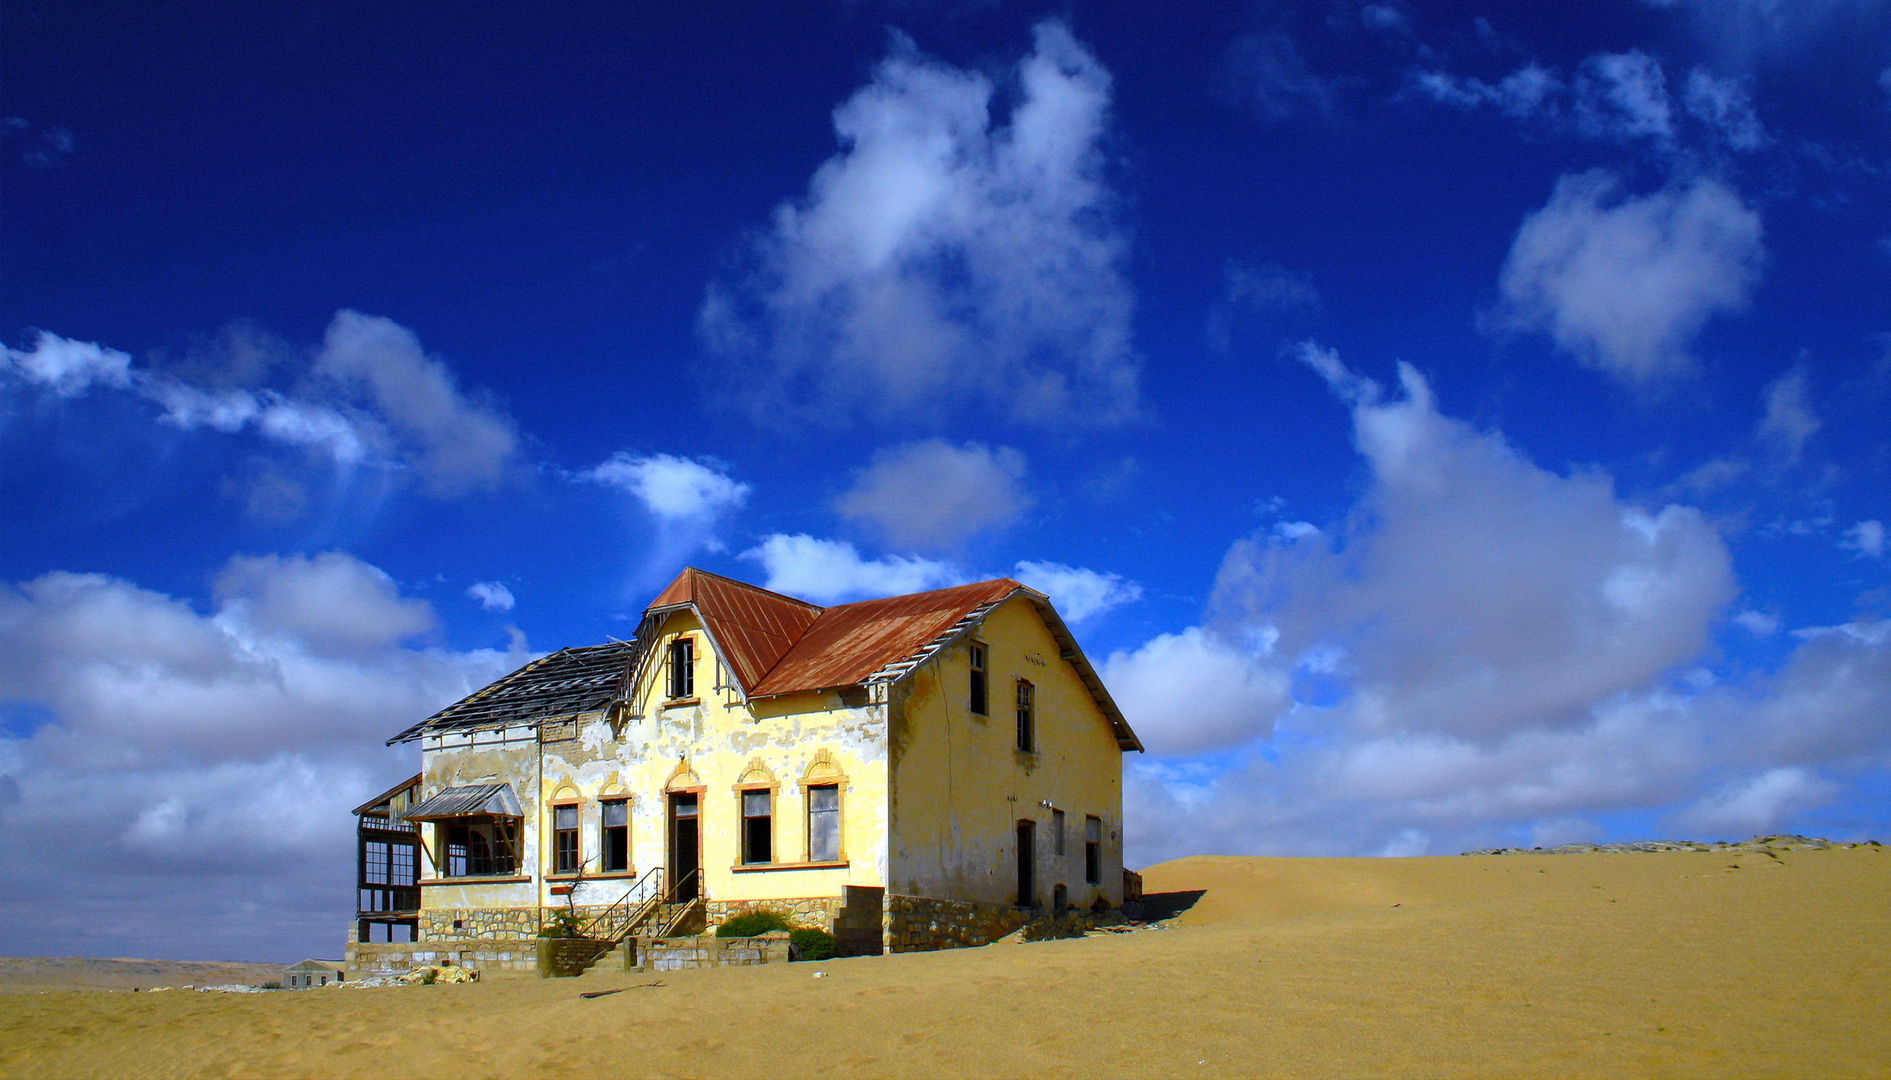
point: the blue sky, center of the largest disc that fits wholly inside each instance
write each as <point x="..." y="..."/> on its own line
<point x="1448" y="425"/>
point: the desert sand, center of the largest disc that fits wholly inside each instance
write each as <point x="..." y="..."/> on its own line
<point x="1674" y="964"/>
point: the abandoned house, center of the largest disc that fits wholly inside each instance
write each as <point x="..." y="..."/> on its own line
<point x="922" y="771"/>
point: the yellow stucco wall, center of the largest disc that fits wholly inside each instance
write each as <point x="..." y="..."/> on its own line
<point x="960" y="786"/>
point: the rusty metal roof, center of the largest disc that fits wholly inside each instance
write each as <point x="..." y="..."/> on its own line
<point x="567" y="682"/>
<point x="852" y="641"/>
<point x="381" y="801"/>
<point x="474" y="800"/>
<point x="753" y="627"/>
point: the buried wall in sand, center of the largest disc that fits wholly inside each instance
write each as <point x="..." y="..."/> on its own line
<point x="919" y="772"/>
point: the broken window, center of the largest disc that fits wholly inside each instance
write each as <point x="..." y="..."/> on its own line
<point x="486" y="849"/>
<point x="758" y="826"/>
<point x="616" y="835"/>
<point x="682" y="668"/>
<point x="1027" y="722"/>
<point x="565" y="839"/>
<point x="1057" y="830"/>
<point x="977" y="704"/>
<point x="824" y="823"/>
<point x="1093" y="850"/>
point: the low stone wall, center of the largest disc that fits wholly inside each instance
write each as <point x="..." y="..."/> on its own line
<point x="478" y="924"/>
<point x="920" y="923"/>
<point x="675" y="954"/>
<point x="396" y="958"/>
<point x="814" y="911"/>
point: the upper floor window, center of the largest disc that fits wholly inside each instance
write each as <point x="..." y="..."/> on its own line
<point x="978" y="678"/>
<point x="565" y="839"/>
<point x="616" y="835"/>
<point x="683" y="668"/>
<point x="1027" y="717"/>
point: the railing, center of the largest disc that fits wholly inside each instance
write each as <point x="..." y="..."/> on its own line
<point x="677" y="911"/>
<point x="630" y="911"/>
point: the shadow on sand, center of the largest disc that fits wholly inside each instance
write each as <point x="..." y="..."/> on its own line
<point x="1157" y="906"/>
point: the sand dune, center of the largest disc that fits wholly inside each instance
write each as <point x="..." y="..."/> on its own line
<point x="1682" y="964"/>
<point x="34" y="974"/>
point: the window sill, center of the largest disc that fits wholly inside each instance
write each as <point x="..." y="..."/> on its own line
<point x="680" y="702"/>
<point x="607" y="875"/>
<point x="513" y="880"/>
<point x="751" y="868"/>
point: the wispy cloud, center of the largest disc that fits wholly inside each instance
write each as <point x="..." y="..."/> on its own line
<point x="932" y="494"/>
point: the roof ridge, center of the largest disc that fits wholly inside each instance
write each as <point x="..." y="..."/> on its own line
<point x="751" y="587"/>
<point x="1013" y="582"/>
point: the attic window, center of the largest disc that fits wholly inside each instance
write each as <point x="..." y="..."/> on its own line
<point x="1027" y="720"/>
<point x="682" y="668"/>
<point x="978" y="705"/>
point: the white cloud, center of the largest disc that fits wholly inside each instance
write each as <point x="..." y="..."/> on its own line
<point x="946" y="257"/>
<point x="1078" y="593"/>
<point x="1385" y="17"/>
<point x="933" y="494"/>
<point x="67" y="368"/>
<point x="272" y="415"/>
<point x="1624" y="284"/>
<point x="1757" y="623"/>
<point x="1269" y="71"/>
<point x="1194" y="691"/>
<point x="1757" y="804"/>
<point x="1866" y="538"/>
<point x="1790" y="418"/>
<point x="1622" y="96"/>
<point x="179" y="771"/>
<point x="458" y="444"/>
<point x="673" y="488"/>
<point x="1725" y="107"/>
<point x="492" y="595"/>
<point x="832" y="571"/>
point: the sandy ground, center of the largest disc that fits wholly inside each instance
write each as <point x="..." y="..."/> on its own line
<point x="1684" y="964"/>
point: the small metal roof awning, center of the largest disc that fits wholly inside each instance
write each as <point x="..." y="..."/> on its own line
<point x="477" y="800"/>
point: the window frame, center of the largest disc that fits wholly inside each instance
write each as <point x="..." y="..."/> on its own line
<point x="1027" y="717"/>
<point x="567" y="843"/>
<point x="978" y="681"/>
<point x="681" y="675"/>
<point x="840" y="847"/>
<point x="744" y="852"/>
<point x="605" y="828"/>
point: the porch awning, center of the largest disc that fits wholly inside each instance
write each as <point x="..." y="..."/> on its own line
<point x="477" y="800"/>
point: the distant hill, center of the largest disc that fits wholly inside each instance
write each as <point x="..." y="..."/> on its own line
<point x="27" y="974"/>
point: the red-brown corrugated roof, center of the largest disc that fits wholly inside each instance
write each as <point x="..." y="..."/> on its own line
<point x="852" y="641"/>
<point x="754" y="627"/>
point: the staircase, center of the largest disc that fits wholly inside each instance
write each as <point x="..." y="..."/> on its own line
<point x="644" y="913"/>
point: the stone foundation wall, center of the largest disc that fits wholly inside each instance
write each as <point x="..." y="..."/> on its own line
<point x="478" y="924"/>
<point x="398" y="958"/>
<point x="674" y="954"/>
<point x="815" y="911"/>
<point x="920" y="923"/>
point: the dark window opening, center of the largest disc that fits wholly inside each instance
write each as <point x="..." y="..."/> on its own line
<point x="482" y="850"/>
<point x="1057" y="831"/>
<point x="1060" y="898"/>
<point x="1093" y="850"/>
<point x="758" y="826"/>
<point x="978" y="704"/>
<point x="616" y="835"/>
<point x="682" y="668"/>
<point x="1027" y="863"/>
<point x="565" y="839"/>
<point x="824" y="823"/>
<point x="1027" y="723"/>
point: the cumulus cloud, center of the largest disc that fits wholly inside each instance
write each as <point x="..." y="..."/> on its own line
<point x="370" y="396"/>
<point x="1078" y="593"/>
<point x="174" y="768"/>
<point x="933" y="494"/>
<point x="459" y="444"/>
<point x="491" y="595"/>
<point x="1866" y="538"/>
<point x="672" y="488"/>
<point x="1726" y="107"/>
<point x="832" y="571"/>
<point x="1194" y="691"/>
<point x="1790" y="419"/>
<point x="1624" y="283"/>
<point x="1482" y="652"/>
<point x="955" y="252"/>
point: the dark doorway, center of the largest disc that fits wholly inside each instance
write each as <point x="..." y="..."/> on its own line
<point x="685" y="848"/>
<point x="1027" y="863"/>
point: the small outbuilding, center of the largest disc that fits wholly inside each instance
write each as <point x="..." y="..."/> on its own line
<point x="310" y="974"/>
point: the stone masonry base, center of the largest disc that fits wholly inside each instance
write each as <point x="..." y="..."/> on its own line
<point x="920" y="923"/>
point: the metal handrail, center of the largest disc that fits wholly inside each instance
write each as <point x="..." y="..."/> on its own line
<point x="637" y="904"/>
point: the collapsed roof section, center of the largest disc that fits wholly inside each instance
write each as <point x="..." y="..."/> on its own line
<point x="772" y="645"/>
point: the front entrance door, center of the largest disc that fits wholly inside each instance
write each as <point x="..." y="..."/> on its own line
<point x="1027" y="863"/>
<point x="685" y="848"/>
